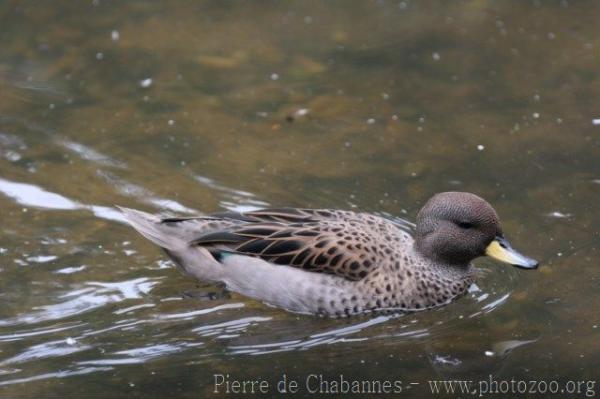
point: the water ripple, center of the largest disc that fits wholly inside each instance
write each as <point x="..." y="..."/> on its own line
<point x="140" y="355"/>
<point x="192" y="314"/>
<point x="89" y="154"/>
<point x="35" y="332"/>
<point x="46" y="350"/>
<point x="34" y="196"/>
<point x="95" y="295"/>
<point x="58" y="374"/>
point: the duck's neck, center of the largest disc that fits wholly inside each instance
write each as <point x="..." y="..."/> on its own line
<point x="429" y="257"/>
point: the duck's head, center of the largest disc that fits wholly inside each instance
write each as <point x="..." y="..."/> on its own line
<point x="455" y="228"/>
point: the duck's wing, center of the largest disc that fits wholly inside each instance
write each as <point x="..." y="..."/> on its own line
<point x="336" y="242"/>
<point x="285" y="215"/>
<point x="279" y="215"/>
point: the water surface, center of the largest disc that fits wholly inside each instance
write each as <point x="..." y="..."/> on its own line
<point x="203" y="106"/>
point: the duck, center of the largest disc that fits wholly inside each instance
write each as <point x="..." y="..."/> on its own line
<point x="337" y="263"/>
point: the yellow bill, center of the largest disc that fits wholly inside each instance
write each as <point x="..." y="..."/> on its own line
<point x="501" y="250"/>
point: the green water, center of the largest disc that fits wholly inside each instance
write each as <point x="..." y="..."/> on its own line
<point x="204" y="106"/>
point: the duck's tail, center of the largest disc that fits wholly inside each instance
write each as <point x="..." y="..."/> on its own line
<point x="192" y="259"/>
<point x="151" y="227"/>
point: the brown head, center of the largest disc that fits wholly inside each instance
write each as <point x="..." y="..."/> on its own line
<point x="455" y="228"/>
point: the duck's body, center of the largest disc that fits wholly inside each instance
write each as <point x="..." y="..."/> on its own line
<point x="327" y="262"/>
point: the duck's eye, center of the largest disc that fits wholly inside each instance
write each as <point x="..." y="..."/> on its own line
<point x="465" y="225"/>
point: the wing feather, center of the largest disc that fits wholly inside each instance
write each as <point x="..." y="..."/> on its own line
<point x="327" y="241"/>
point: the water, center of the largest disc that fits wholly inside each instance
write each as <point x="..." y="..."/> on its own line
<point x="208" y="106"/>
